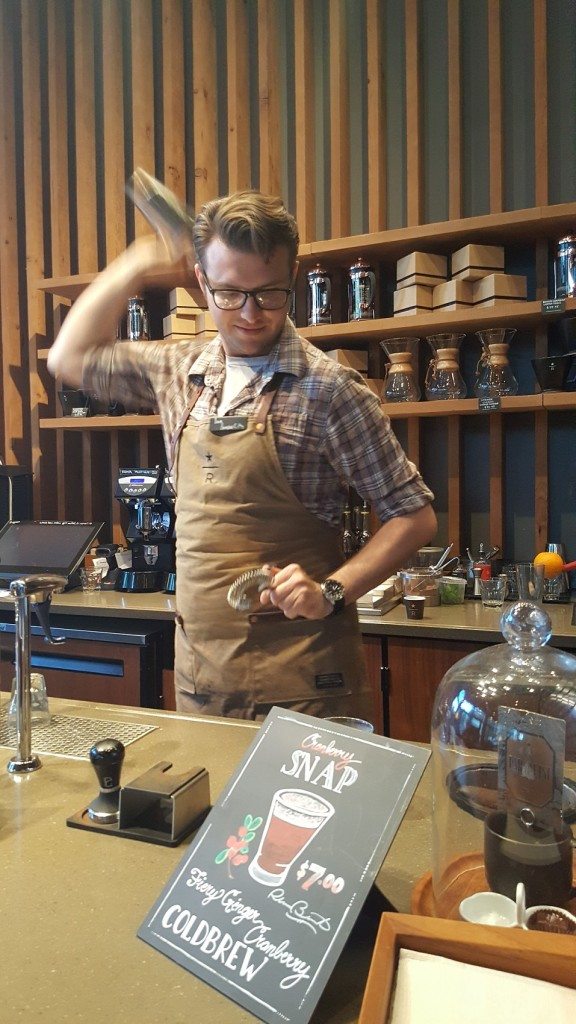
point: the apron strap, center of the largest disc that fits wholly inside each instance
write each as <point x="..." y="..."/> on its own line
<point x="195" y="392"/>
<point x="263" y="407"/>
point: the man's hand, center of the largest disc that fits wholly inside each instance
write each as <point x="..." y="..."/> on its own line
<point x="295" y="593"/>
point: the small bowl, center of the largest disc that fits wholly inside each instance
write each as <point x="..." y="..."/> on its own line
<point x="549" y="919"/>
<point x="451" y="589"/>
<point x="489" y="908"/>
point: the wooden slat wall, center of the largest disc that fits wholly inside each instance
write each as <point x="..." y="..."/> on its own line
<point x="495" y="106"/>
<point x="413" y="117"/>
<point x="12" y="376"/>
<point x="339" y="123"/>
<point x="304" y="112"/>
<point x="269" y="98"/>
<point x="42" y="453"/>
<point x="239" y="155"/>
<point x="173" y="113"/>
<point x="94" y="88"/>
<point x="376" y="104"/>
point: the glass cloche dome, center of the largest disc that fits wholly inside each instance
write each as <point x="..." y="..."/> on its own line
<point x="504" y="763"/>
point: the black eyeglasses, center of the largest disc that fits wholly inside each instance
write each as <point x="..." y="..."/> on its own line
<point x="235" y="298"/>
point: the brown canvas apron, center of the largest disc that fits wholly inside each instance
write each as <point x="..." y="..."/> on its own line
<point x="235" y="511"/>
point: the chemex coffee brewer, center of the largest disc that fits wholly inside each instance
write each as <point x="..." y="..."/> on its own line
<point x="150" y="499"/>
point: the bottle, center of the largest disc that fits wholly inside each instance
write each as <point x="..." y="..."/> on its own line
<point x="348" y="538"/>
<point x="365" y="534"/>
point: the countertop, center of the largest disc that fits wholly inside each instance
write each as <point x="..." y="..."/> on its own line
<point x="467" y="621"/>
<point x="72" y="901"/>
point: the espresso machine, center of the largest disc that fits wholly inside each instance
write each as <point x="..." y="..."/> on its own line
<point x="149" y="497"/>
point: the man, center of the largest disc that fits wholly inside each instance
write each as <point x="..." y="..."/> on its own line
<point x="264" y="434"/>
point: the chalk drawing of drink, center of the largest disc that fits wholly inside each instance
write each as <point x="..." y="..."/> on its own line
<point x="294" y="818"/>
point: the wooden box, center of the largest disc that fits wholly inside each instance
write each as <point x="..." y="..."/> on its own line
<point x="421" y="268"/>
<point x="472" y="262"/>
<point x="539" y="955"/>
<point x="453" y="295"/>
<point x="408" y="301"/>
<point x="499" y="288"/>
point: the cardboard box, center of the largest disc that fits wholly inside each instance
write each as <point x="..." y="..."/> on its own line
<point x="421" y="268"/>
<point x="453" y="295"/>
<point x="354" y="358"/>
<point x="183" y="299"/>
<point x="184" y="326"/>
<point x="190" y="325"/>
<point x="499" y="288"/>
<point x="472" y="262"/>
<point x="180" y="339"/>
<point x="408" y="301"/>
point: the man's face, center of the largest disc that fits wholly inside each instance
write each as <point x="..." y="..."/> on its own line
<point x="248" y="331"/>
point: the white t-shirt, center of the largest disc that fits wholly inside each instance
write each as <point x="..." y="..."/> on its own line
<point x="239" y="371"/>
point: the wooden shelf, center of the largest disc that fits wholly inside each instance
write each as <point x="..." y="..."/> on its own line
<point x="127" y="422"/>
<point x="400" y="410"/>
<point x="559" y="399"/>
<point x="72" y="286"/>
<point x="459" y="407"/>
<point x="548" y="222"/>
<point x="507" y="314"/>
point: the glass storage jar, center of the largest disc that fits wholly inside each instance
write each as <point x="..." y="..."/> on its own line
<point x="503" y="748"/>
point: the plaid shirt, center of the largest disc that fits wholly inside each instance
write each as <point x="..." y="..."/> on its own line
<point x="329" y="429"/>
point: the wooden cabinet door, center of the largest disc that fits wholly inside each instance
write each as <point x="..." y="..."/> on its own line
<point x="415" y="667"/>
<point x="77" y="681"/>
<point x="372" y="647"/>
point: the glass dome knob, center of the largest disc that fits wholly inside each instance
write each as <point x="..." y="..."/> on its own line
<point x="526" y="626"/>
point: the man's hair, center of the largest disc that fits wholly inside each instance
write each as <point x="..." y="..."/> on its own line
<point x="248" y="221"/>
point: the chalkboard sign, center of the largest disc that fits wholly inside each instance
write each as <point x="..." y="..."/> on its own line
<point x="270" y="887"/>
<point x="489" y="403"/>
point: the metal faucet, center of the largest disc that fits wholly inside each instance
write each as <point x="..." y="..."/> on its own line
<point x="28" y="591"/>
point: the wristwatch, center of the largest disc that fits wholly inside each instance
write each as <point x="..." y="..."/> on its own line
<point x="333" y="591"/>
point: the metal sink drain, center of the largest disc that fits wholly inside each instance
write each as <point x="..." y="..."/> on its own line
<point x="68" y="736"/>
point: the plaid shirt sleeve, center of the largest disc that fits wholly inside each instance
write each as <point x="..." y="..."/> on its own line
<point x="362" y="446"/>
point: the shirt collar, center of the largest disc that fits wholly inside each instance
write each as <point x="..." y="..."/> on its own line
<point x="287" y="357"/>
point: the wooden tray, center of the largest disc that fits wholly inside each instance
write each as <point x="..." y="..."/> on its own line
<point x="464" y="877"/>
<point x="530" y="954"/>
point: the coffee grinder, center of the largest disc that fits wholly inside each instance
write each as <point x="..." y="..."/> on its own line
<point x="150" y="499"/>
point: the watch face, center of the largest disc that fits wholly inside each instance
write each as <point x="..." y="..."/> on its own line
<point x="333" y="591"/>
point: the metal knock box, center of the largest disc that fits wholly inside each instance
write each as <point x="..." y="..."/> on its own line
<point x="416" y="299"/>
<point x="472" y="262"/>
<point x="497" y="288"/>
<point x="453" y="295"/>
<point x="421" y="268"/>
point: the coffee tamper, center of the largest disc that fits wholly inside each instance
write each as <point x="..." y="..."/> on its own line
<point x="106" y="757"/>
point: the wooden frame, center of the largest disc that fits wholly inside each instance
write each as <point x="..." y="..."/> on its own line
<point x="530" y="954"/>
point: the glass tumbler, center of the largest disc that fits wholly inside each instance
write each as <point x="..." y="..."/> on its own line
<point x="493" y="591"/>
<point x="530" y="580"/>
<point x="39" y="710"/>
